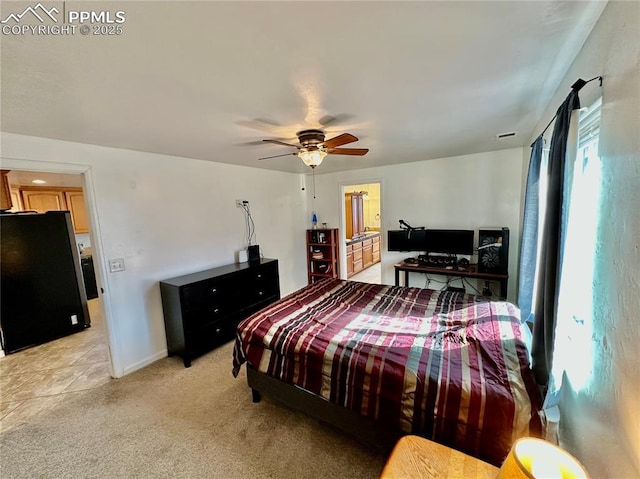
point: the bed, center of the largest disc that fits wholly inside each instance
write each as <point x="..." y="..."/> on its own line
<point x="380" y="361"/>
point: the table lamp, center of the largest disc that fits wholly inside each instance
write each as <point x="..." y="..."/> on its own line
<point x="532" y="458"/>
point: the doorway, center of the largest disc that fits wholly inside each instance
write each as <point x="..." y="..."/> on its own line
<point x="362" y="206"/>
<point x="37" y="378"/>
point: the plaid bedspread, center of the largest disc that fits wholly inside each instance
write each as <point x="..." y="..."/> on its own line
<point x="439" y="364"/>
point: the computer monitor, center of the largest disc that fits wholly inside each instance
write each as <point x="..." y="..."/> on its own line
<point x="449" y="241"/>
<point x="406" y="240"/>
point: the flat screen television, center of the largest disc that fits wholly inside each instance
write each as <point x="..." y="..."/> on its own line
<point x="449" y="241"/>
<point x="403" y="240"/>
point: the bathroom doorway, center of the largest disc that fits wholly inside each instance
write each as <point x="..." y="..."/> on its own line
<point x="363" y="236"/>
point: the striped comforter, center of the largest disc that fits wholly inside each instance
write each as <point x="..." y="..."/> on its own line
<point x="439" y="364"/>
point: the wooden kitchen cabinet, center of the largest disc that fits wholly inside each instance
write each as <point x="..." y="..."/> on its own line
<point x="361" y="254"/>
<point x="357" y="258"/>
<point x="57" y="199"/>
<point x="43" y="200"/>
<point x="354" y="215"/>
<point x="5" y="193"/>
<point x="375" y="250"/>
<point x="16" y="200"/>
<point x="75" y="204"/>
<point x="367" y="253"/>
<point x="349" y="260"/>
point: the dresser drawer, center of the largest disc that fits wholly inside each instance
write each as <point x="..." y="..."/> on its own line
<point x="266" y="274"/>
<point x="202" y="339"/>
<point x="195" y="318"/>
<point x="214" y="294"/>
<point x="257" y="295"/>
<point x="260" y="283"/>
<point x="258" y="305"/>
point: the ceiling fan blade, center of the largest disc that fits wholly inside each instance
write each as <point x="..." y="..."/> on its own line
<point x="348" y="151"/>
<point x="278" y="142"/>
<point x="277" y="156"/>
<point x="340" y="140"/>
<point x="262" y="125"/>
<point x="251" y="143"/>
<point x="333" y="120"/>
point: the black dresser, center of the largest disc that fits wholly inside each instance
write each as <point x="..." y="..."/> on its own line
<point x="203" y="309"/>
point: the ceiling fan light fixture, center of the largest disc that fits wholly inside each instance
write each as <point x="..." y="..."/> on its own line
<point x="312" y="158"/>
<point x="313" y="147"/>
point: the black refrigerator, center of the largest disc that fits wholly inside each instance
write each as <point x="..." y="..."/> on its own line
<point x="42" y="295"/>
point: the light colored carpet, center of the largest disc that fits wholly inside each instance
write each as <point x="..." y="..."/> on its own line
<point x="169" y="421"/>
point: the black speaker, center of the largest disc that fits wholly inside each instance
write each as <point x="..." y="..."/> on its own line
<point x="254" y="253"/>
<point x="493" y="250"/>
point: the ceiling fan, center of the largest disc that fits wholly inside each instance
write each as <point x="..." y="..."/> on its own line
<point x="313" y="148"/>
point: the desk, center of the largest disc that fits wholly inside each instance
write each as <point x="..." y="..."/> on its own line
<point x="416" y="457"/>
<point x="471" y="271"/>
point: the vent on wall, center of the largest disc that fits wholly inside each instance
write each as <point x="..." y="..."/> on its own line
<point x="503" y="136"/>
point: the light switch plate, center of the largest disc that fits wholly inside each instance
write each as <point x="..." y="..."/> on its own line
<point x="116" y="265"/>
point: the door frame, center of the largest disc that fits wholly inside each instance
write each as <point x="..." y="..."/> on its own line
<point x="342" y="189"/>
<point x="115" y="356"/>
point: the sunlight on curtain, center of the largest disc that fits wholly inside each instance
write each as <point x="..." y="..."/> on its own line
<point x="573" y="344"/>
<point x="543" y="183"/>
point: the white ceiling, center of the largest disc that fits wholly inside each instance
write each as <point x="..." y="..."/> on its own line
<point x="412" y="80"/>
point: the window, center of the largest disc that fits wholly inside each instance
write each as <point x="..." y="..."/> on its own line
<point x="573" y="345"/>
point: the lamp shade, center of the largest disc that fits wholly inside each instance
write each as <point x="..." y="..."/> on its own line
<point x="312" y="158"/>
<point x="532" y="458"/>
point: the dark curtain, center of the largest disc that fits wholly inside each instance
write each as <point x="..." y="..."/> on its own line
<point x="550" y="249"/>
<point x="529" y="247"/>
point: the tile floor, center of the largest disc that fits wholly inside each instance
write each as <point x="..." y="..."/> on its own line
<point x="35" y="379"/>
<point x="373" y="274"/>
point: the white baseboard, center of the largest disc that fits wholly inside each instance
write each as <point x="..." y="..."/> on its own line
<point x="145" y="362"/>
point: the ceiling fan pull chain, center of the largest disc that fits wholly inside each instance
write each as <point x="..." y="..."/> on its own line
<point x="313" y="173"/>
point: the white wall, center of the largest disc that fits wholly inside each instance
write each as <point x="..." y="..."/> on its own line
<point x="168" y="216"/>
<point x="600" y="424"/>
<point x="465" y="192"/>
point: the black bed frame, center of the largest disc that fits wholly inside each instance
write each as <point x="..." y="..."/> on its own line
<point x="369" y="432"/>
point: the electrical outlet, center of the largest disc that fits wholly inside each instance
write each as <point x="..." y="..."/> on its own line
<point x="74" y="319"/>
<point x="116" y="265"/>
